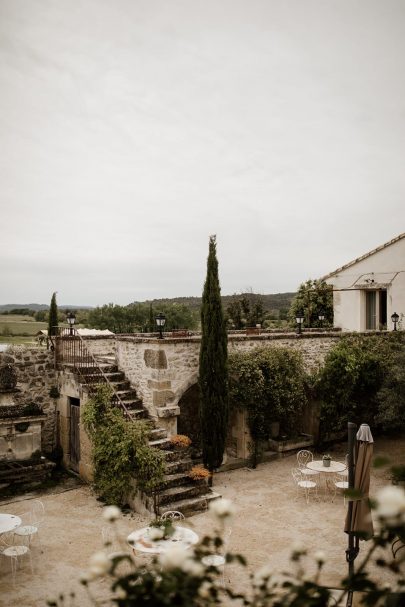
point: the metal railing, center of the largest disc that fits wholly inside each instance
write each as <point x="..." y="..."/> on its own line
<point x="71" y="352"/>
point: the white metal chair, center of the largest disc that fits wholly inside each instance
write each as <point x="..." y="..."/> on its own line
<point x="32" y="521"/>
<point x="219" y="560"/>
<point x="345" y="473"/>
<point x="172" y="515"/>
<point x="303" y="482"/>
<point x="14" y="552"/>
<point x="340" y="485"/>
<point x="303" y="458"/>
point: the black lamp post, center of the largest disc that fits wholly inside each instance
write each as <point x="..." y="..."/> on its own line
<point x="395" y="319"/>
<point x="160" y="321"/>
<point x="299" y="317"/>
<point x="321" y="317"/>
<point x="71" y="318"/>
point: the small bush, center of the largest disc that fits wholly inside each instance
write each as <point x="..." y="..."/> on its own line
<point x="180" y="441"/>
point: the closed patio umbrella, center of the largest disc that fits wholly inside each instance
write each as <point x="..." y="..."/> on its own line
<point x="359" y="524"/>
<point x="359" y="521"/>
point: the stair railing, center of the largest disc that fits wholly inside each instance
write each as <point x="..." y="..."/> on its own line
<point x="71" y="351"/>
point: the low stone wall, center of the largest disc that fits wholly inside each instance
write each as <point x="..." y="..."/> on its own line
<point x="35" y="377"/>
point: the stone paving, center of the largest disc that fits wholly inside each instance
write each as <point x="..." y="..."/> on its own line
<point x="269" y="518"/>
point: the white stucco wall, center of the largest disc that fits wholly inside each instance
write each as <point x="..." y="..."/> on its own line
<point x="384" y="269"/>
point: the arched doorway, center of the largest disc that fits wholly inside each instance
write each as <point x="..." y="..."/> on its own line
<point x="188" y="422"/>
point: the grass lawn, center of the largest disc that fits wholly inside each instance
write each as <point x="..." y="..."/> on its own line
<point x="17" y="324"/>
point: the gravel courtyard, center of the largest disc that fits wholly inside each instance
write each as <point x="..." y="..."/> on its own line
<point x="269" y="518"/>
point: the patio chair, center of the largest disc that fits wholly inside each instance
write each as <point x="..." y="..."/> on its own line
<point x="302" y="482"/>
<point x="345" y="473"/>
<point x="172" y="515"/>
<point x="340" y="485"/>
<point x="15" y="552"/>
<point x="303" y="457"/>
<point x="32" y="521"/>
<point x="219" y="560"/>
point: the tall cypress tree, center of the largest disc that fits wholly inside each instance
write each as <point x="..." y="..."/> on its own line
<point x="213" y="378"/>
<point x="53" y="316"/>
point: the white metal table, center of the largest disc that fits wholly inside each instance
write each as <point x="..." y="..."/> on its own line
<point x="9" y="522"/>
<point x="141" y="541"/>
<point x="326" y="471"/>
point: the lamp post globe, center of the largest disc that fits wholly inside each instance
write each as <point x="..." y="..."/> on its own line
<point x="71" y="318"/>
<point x="160" y="321"/>
<point x="395" y="319"/>
<point x="299" y="318"/>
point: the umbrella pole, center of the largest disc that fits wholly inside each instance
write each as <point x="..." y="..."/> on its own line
<point x="352" y="545"/>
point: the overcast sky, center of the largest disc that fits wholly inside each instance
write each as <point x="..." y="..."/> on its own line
<point x="131" y="130"/>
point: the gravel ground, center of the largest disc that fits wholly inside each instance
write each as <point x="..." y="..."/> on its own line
<point x="269" y="518"/>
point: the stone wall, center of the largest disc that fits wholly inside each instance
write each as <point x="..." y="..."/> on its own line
<point x="35" y="377"/>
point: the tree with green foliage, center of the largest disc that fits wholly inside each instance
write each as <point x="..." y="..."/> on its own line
<point x="363" y="381"/>
<point x="312" y="298"/>
<point x="53" y="317"/>
<point x="213" y="372"/>
<point x="246" y="310"/>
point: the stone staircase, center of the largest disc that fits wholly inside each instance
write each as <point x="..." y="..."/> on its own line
<point x="178" y="490"/>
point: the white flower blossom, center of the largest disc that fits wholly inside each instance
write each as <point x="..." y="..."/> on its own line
<point x="155" y="533"/>
<point x="320" y="556"/>
<point x="205" y="590"/>
<point x="99" y="564"/>
<point x="222" y="508"/>
<point x="298" y="547"/>
<point x="193" y="567"/>
<point x="262" y="575"/>
<point x="391" y="505"/>
<point x="111" y="513"/>
<point x="120" y="593"/>
<point x="173" y="557"/>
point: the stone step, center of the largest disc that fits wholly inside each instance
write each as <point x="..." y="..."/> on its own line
<point x="138" y="413"/>
<point x="158" y="433"/>
<point x="127" y="394"/>
<point x="191" y="506"/>
<point x="122" y="385"/>
<point x="178" y="466"/>
<point x="178" y="479"/>
<point x="161" y="443"/>
<point x="181" y="492"/>
<point x="171" y="456"/>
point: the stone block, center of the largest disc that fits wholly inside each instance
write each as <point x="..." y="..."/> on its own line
<point x="168" y="411"/>
<point x="161" y="397"/>
<point x="155" y="359"/>
<point x="163" y="384"/>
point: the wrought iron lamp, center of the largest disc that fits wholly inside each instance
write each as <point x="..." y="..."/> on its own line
<point x="299" y="317"/>
<point x="160" y="321"/>
<point x="395" y="319"/>
<point x="71" y="318"/>
<point x="321" y="317"/>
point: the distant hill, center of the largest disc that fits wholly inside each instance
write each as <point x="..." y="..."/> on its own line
<point x="276" y="301"/>
<point x="36" y="307"/>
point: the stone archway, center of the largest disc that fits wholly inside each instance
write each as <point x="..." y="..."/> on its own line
<point x="188" y="422"/>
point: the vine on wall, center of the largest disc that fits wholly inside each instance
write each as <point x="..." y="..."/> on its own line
<point x="270" y="384"/>
<point x="120" y="450"/>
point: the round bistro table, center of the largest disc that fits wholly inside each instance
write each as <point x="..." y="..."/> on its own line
<point x="140" y="540"/>
<point x="326" y="471"/>
<point x="9" y="522"/>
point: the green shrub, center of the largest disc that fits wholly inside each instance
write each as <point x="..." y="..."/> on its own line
<point x="120" y="450"/>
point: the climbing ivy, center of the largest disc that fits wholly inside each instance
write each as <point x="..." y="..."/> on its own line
<point x="270" y="384"/>
<point x="120" y="450"/>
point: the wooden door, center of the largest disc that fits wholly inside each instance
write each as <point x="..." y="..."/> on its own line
<point x="74" y="435"/>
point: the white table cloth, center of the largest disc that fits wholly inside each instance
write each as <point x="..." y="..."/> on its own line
<point x="9" y="522"/>
<point x="141" y="541"/>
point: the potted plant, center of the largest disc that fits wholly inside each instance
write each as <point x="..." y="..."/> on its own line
<point x="326" y="460"/>
<point x="180" y="441"/>
<point x="161" y="529"/>
<point x="198" y="473"/>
